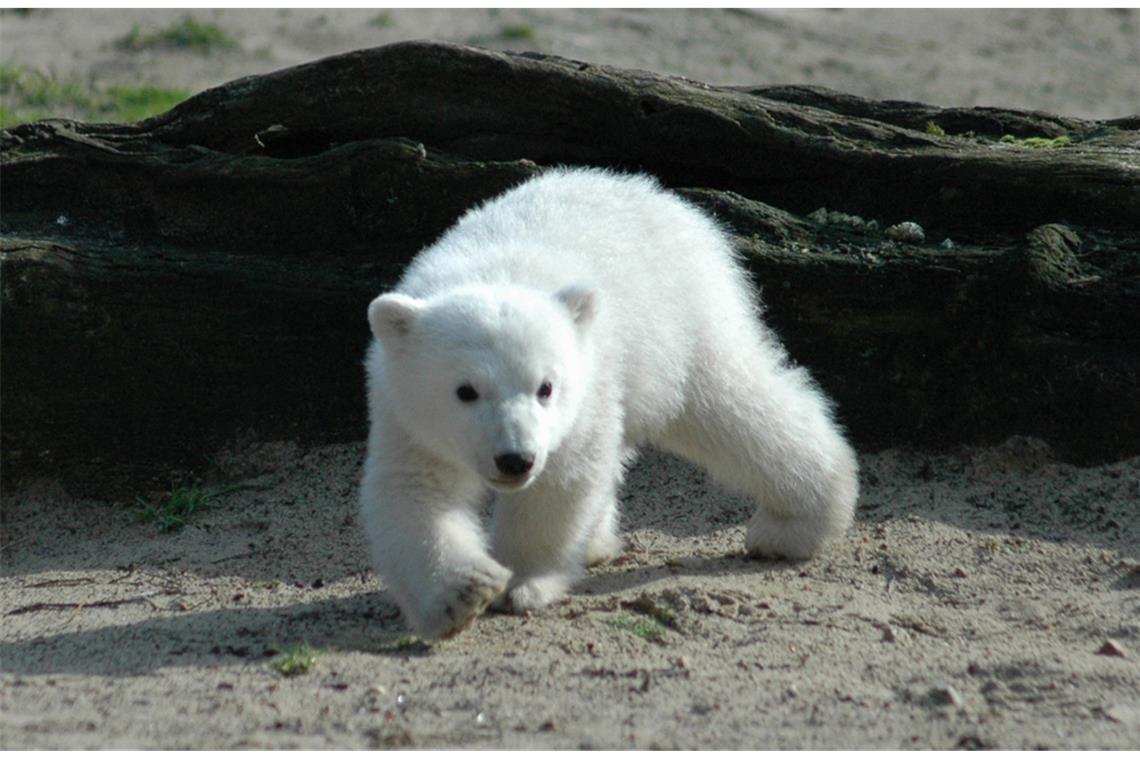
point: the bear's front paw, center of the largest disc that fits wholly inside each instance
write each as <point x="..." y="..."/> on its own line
<point x="467" y="595"/>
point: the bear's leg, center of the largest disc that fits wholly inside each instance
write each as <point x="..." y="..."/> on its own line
<point x="604" y="543"/>
<point x="427" y="543"/>
<point x="764" y="429"/>
<point x="548" y="533"/>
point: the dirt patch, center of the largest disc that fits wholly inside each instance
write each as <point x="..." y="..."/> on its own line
<point x="969" y="607"/>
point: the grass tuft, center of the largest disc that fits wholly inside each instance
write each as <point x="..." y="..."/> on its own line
<point x="188" y="33"/>
<point x="296" y="660"/>
<point x="383" y="20"/>
<point x="27" y="96"/>
<point x="645" y="627"/>
<point x="130" y="104"/>
<point x="934" y="129"/>
<point x="1038" y="142"/>
<point x="182" y="504"/>
<point x="517" y="32"/>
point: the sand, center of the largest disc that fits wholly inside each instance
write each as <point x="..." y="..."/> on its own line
<point x="977" y="603"/>
<point x="1076" y="62"/>
<point x="986" y="598"/>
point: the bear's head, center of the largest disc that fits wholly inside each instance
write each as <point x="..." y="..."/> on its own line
<point x="488" y="377"/>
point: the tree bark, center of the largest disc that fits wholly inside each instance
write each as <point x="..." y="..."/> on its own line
<point x="169" y="283"/>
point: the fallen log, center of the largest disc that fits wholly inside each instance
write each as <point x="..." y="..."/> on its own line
<point x="171" y="282"/>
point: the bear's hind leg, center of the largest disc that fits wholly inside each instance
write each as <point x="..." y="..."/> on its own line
<point x="764" y="429"/>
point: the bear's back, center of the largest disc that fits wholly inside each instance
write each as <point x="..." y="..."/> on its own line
<point x="667" y="276"/>
<point x="618" y="232"/>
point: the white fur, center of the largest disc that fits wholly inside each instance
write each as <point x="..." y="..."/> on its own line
<point x="631" y="304"/>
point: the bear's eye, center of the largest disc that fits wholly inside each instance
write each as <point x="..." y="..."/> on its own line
<point x="545" y="390"/>
<point x="466" y="393"/>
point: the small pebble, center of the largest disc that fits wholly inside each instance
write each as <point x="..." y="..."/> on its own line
<point x="945" y="694"/>
<point x="1111" y="648"/>
<point x="906" y="232"/>
<point x="1121" y="713"/>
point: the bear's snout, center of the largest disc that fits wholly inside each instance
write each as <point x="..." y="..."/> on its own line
<point x="514" y="464"/>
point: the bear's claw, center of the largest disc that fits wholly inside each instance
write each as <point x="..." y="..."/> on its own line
<point x="465" y="601"/>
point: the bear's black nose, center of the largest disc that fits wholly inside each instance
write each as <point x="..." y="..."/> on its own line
<point x="514" y="464"/>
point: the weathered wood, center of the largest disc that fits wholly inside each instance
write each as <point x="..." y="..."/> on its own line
<point x="168" y="283"/>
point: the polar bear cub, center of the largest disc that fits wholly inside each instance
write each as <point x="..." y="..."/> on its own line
<point x="527" y="353"/>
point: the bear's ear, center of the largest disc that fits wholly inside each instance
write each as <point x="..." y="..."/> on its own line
<point x="392" y="315"/>
<point x="581" y="301"/>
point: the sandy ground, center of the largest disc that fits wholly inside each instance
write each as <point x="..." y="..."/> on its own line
<point x="1074" y="62"/>
<point x="986" y="597"/>
<point x="977" y="603"/>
